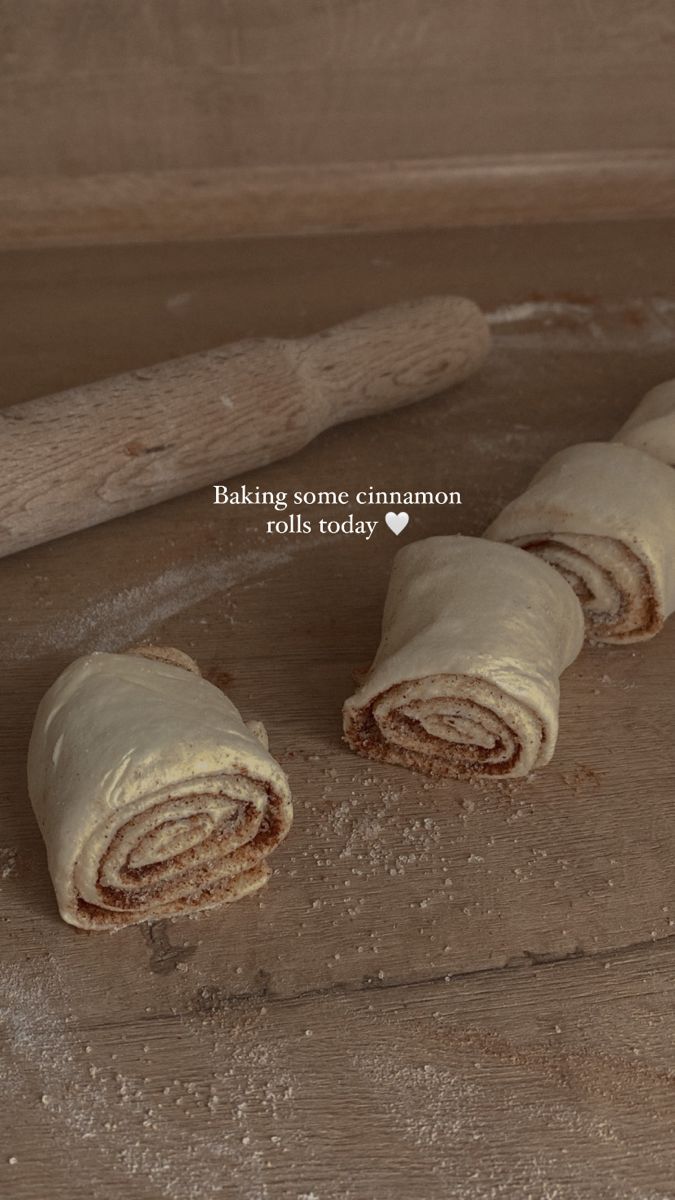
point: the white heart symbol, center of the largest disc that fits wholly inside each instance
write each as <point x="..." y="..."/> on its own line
<point x="397" y="521"/>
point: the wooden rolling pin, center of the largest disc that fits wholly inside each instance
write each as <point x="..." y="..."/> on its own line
<point x="96" y="452"/>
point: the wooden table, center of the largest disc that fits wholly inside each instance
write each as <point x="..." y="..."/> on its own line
<point x="445" y="991"/>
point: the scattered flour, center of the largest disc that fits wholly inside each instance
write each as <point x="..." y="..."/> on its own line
<point x="7" y="862"/>
<point x="537" y="310"/>
<point x="115" y="621"/>
<point x="634" y="324"/>
<point x="185" y="1138"/>
<point x="461" y="1124"/>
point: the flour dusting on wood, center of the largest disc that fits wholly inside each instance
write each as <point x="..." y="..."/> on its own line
<point x="115" y="621"/>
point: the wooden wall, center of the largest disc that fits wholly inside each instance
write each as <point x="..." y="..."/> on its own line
<point x="200" y="103"/>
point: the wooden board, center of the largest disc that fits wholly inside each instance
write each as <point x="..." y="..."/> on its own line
<point x="160" y="119"/>
<point x="160" y="85"/>
<point x="36" y="212"/>
<point x="445" y="991"/>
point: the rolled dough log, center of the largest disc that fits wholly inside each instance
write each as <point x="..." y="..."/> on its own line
<point x="465" y="682"/>
<point x="651" y="427"/>
<point x="152" y="795"/>
<point x="603" y="514"/>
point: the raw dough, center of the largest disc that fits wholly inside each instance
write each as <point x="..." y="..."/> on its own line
<point x="652" y="426"/>
<point x="465" y="681"/>
<point x="152" y="795"/>
<point x="603" y="514"/>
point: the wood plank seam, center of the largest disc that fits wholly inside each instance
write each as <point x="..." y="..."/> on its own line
<point x="515" y="965"/>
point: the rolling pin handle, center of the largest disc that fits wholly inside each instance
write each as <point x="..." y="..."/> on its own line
<point x="394" y="356"/>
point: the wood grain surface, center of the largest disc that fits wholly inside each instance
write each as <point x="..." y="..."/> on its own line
<point x="163" y="119"/>
<point x="126" y="86"/>
<point x="445" y="991"/>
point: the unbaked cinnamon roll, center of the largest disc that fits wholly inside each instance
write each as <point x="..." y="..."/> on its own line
<point x="465" y="681"/>
<point x="152" y="795"/>
<point x="603" y="514"/>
